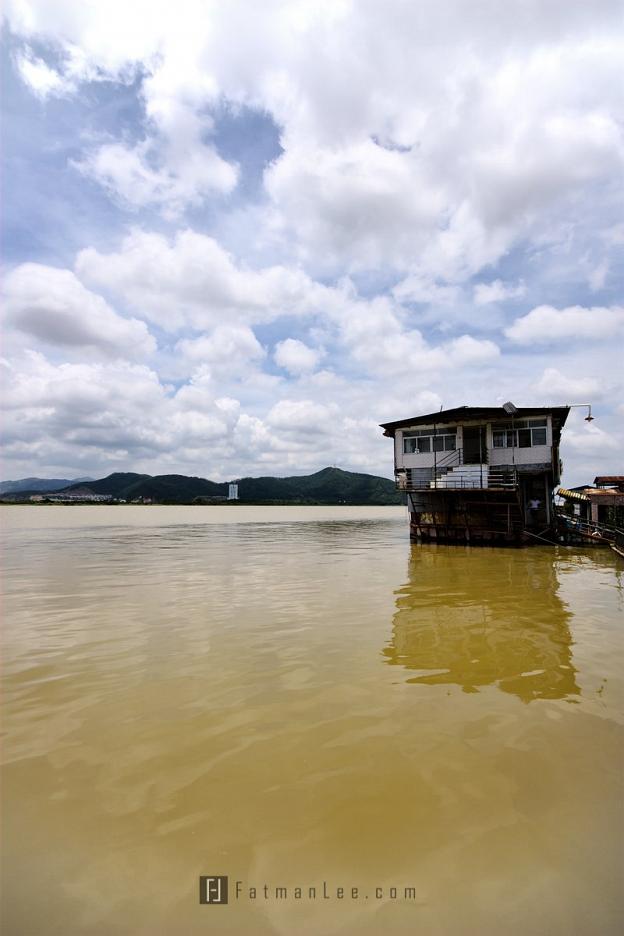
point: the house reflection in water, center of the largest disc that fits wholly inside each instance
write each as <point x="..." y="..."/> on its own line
<point x="477" y="618"/>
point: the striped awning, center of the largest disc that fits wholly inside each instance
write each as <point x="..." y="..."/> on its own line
<point x="572" y="495"/>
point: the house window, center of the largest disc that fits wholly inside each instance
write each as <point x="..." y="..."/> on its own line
<point x="423" y="441"/>
<point x="523" y="434"/>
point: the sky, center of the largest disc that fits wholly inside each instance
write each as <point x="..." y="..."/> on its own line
<point x="238" y="236"/>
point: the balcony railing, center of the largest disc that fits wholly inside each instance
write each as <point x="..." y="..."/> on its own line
<point x="451" y="473"/>
<point x="588" y="528"/>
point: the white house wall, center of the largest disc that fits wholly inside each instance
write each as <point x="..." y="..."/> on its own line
<point x="535" y="454"/>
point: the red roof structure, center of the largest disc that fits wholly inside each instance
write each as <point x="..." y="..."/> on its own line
<point x="615" y="481"/>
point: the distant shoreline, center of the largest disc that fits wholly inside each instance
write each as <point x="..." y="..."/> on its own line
<point x="239" y="503"/>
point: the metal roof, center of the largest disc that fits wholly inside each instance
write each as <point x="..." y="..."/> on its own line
<point x="604" y="492"/>
<point x="590" y="494"/>
<point x="572" y="495"/>
<point x="468" y="413"/>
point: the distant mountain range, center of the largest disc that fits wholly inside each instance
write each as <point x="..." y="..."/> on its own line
<point x="38" y="484"/>
<point x="329" y="486"/>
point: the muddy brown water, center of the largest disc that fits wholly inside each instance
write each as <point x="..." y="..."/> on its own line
<point x="299" y="699"/>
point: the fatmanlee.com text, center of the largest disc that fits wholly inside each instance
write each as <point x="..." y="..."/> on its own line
<point x="216" y="890"/>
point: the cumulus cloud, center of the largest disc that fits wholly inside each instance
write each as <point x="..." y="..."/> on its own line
<point x="423" y="289"/>
<point x="547" y="325"/>
<point x="302" y="415"/>
<point x="553" y="384"/>
<point x="184" y="175"/>
<point x="467" y="350"/>
<point x="193" y="280"/>
<point x="40" y="77"/>
<point x="111" y="413"/>
<point x="591" y="440"/>
<point x="176" y="166"/>
<point x="53" y="306"/>
<point x="433" y="164"/>
<point x="433" y="139"/>
<point x="107" y="407"/>
<point x="296" y="357"/>
<point x="497" y="291"/>
<point x="376" y="336"/>
<point x="227" y="350"/>
<point x="359" y="202"/>
<point x="120" y="416"/>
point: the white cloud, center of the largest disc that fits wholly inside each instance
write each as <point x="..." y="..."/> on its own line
<point x="497" y="291"/>
<point x="40" y="78"/>
<point x="117" y="416"/>
<point x="418" y="288"/>
<point x="598" y="275"/>
<point x="303" y="416"/>
<point x="193" y="281"/>
<point x="374" y="333"/>
<point x="359" y="202"/>
<point x="175" y="167"/>
<point x="103" y="406"/>
<point x="591" y="441"/>
<point x="423" y="145"/>
<point x="555" y="385"/>
<point x="296" y="357"/>
<point x="185" y="177"/>
<point x="53" y="306"/>
<point x="418" y="137"/>
<point x="547" y="325"/>
<point x="227" y="351"/>
<point x="111" y="413"/>
<point x="467" y="350"/>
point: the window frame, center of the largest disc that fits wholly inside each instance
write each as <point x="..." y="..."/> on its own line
<point x="427" y="438"/>
<point x="525" y="433"/>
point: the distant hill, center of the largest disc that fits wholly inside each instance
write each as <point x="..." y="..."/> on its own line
<point x="38" y="484"/>
<point x="115" y="484"/>
<point x="329" y="486"/>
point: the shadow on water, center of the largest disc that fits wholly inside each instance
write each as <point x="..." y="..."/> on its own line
<point x="477" y="617"/>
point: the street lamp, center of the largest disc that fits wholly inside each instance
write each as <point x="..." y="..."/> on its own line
<point x="589" y="417"/>
<point x="511" y="410"/>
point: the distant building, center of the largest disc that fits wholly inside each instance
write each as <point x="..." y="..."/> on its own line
<point x="233" y="492"/>
<point x="600" y="504"/>
<point x="614" y="482"/>
<point x="478" y="474"/>
<point x="80" y="495"/>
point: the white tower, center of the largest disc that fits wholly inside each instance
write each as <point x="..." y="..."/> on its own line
<point x="233" y="492"/>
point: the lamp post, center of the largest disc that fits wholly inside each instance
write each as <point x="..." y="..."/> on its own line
<point x="511" y="410"/>
<point x="589" y="417"/>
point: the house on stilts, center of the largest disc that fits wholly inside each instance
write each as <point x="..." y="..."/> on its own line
<point x="480" y="474"/>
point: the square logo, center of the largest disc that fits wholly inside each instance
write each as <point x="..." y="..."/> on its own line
<point x="213" y="889"/>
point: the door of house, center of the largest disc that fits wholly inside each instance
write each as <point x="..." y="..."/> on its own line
<point x="475" y="448"/>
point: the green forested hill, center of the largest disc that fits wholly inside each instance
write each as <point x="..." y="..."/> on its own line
<point x="116" y="484"/>
<point x="175" y="489"/>
<point x="329" y="486"/>
<point x="39" y="484"/>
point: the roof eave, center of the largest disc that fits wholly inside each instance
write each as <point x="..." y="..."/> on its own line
<point x="464" y="413"/>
